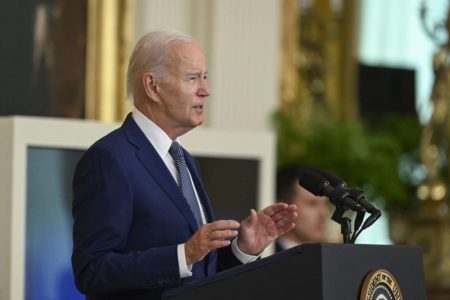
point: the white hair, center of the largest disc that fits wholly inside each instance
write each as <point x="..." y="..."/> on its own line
<point x="150" y="55"/>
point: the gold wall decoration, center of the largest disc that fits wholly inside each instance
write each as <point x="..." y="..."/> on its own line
<point x="295" y="100"/>
<point x="110" y="33"/>
<point x="319" y="44"/>
<point x="436" y="132"/>
<point x="289" y="77"/>
<point x="431" y="225"/>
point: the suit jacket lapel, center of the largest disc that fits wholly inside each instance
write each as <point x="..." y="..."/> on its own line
<point x="153" y="163"/>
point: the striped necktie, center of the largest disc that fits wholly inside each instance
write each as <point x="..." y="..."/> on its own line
<point x="185" y="181"/>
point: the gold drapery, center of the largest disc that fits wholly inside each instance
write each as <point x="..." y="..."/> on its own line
<point x="109" y="37"/>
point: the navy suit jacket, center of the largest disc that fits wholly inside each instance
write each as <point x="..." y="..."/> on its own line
<point x="129" y="216"/>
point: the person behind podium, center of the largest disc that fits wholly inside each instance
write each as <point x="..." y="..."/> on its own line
<point x="313" y="212"/>
<point x="142" y="218"/>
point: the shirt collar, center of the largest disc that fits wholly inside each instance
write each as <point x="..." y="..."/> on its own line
<point x="157" y="137"/>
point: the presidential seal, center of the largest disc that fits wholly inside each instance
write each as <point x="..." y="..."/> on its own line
<point x="380" y="285"/>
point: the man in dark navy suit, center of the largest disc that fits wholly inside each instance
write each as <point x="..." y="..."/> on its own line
<point x="142" y="219"/>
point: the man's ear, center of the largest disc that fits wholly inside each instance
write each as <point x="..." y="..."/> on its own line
<point x="150" y="86"/>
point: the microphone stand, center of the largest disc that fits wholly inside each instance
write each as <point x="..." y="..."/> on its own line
<point x="346" y="228"/>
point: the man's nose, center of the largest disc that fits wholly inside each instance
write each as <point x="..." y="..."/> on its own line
<point x="203" y="89"/>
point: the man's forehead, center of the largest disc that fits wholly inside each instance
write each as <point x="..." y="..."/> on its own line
<point x="185" y="51"/>
<point x="186" y="56"/>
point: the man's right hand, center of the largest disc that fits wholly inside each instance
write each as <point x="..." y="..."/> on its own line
<point x="209" y="237"/>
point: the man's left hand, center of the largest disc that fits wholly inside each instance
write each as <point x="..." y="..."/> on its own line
<point x="261" y="228"/>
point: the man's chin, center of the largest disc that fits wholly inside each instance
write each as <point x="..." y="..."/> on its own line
<point x="197" y="123"/>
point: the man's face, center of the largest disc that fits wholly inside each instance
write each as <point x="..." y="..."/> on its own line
<point x="312" y="216"/>
<point x="183" y="92"/>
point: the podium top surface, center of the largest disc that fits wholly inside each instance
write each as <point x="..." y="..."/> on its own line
<point x="326" y="263"/>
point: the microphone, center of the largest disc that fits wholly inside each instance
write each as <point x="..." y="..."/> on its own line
<point x="356" y="194"/>
<point x="332" y="179"/>
<point x="359" y="197"/>
<point x="319" y="186"/>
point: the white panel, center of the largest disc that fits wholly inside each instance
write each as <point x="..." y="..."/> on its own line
<point x="18" y="133"/>
<point x="5" y="207"/>
<point x="244" y="63"/>
<point x="163" y="14"/>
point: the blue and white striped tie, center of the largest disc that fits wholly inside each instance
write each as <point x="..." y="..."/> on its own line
<point x="185" y="181"/>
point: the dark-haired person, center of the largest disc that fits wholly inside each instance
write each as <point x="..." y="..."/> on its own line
<point x="313" y="212"/>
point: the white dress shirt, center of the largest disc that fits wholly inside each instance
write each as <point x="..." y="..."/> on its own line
<point x="162" y="142"/>
<point x="286" y="243"/>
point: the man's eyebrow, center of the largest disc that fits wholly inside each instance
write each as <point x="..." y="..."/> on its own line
<point x="196" y="73"/>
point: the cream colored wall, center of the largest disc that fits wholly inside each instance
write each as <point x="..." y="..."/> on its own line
<point x="240" y="38"/>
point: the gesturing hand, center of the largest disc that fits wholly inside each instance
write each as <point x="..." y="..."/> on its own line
<point x="208" y="237"/>
<point x="261" y="228"/>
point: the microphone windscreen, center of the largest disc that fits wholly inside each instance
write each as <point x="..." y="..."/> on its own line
<point x="312" y="182"/>
<point x="334" y="181"/>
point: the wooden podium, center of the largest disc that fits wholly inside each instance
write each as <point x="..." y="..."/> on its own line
<point x="314" y="272"/>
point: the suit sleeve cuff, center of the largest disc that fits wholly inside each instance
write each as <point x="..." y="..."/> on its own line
<point x="185" y="270"/>
<point x="241" y="256"/>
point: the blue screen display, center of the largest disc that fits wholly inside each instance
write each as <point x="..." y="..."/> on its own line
<point x="48" y="272"/>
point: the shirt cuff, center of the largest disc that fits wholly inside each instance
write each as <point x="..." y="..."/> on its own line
<point x="185" y="270"/>
<point x="241" y="256"/>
